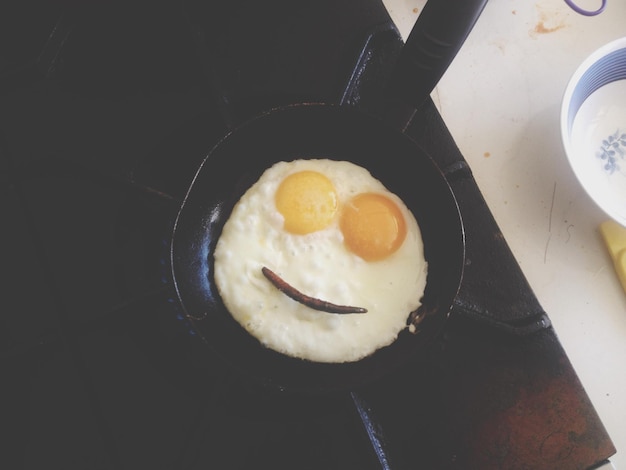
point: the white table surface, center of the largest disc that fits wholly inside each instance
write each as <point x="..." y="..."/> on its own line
<point x="501" y="101"/>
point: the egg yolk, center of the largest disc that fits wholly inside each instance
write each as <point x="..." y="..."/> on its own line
<point x="373" y="226"/>
<point x="307" y="201"/>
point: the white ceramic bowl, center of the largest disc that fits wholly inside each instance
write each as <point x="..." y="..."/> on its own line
<point x="593" y="127"/>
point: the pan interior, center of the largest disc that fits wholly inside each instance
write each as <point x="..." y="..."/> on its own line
<point x="313" y="131"/>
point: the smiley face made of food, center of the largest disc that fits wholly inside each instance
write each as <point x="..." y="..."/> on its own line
<point x="319" y="261"/>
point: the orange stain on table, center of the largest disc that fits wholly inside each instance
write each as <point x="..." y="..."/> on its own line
<point x="548" y="21"/>
<point x="541" y="28"/>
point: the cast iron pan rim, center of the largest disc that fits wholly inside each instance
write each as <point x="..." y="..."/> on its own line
<point x="352" y="118"/>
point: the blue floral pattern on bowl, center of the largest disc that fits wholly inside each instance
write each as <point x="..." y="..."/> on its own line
<point x="613" y="150"/>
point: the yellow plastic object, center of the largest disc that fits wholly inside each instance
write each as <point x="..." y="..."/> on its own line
<point x="614" y="236"/>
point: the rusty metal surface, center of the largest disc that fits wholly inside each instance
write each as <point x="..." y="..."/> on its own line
<point x="484" y="400"/>
<point x="527" y="408"/>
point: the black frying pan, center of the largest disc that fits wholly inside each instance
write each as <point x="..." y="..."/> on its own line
<point x="339" y="133"/>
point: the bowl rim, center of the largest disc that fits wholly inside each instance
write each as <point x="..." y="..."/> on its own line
<point x="566" y="121"/>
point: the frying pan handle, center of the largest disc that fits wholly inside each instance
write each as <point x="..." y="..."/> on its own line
<point x="438" y="34"/>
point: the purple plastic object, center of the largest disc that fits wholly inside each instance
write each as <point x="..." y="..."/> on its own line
<point x="582" y="11"/>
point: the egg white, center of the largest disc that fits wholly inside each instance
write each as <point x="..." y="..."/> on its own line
<point x="319" y="265"/>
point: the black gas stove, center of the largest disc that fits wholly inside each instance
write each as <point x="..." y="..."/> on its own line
<point x="107" y="110"/>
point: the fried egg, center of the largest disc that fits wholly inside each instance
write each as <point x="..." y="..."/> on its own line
<point x="332" y="233"/>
